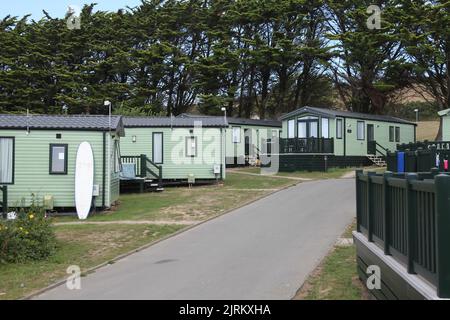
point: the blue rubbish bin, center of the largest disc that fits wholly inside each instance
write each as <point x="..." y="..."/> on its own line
<point x="400" y="162"/>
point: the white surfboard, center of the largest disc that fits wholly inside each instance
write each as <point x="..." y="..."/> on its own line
<point x="84" y="180"/>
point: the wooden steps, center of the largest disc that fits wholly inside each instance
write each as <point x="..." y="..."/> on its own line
<point x="377" y="160"/>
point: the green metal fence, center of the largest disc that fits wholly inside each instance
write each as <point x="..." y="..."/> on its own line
<point x="408" y="216"/>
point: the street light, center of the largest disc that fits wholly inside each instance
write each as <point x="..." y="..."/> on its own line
<point x="108" y="104"/>
<point x="224" y="110"/>
<point x="417" y="114"/>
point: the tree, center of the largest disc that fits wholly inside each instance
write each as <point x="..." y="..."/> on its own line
<point x="369" y="65"/>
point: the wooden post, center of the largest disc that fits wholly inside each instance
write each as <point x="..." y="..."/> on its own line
<point x="358" y="200"/>
<point x="143" y="165"/>
<point x="370" y="206"/>
<point x="386" y="212"/>
<point x="411" y="219"/>
<point x="442" y="225"/>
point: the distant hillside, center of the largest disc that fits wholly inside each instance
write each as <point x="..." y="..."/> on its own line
<point x="427" y="130"/>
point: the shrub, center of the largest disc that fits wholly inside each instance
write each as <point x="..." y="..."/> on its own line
<point x="27" y="238"/>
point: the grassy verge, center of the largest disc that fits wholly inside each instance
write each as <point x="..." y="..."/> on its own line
<point x="336" y="278"/>
<point x="195" y="204"/>
<point x="332" y="173"/>
<point x="88" y="245"/>
<point x="83" y="245"/>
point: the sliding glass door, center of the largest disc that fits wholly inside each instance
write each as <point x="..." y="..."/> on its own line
<point x="308" y="127"/>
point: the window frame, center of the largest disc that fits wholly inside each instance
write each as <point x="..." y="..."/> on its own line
<point x="397" y="134"/>
<point x="341" y="122"/>
<point x="233" y="136"/>
<point x="391" y="134"/>
<point x="307" y="121"/>
<point x="13" y="167"/>
<point x="327" y="120"/>
<point x="291" y="121"/>
<point x="363" y="130"/>
<point x="188" y="148"/>
<point x="162" y="147"/>
<point x="66" y="153"/>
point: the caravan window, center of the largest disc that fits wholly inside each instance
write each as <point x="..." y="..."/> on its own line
<point x="325" y="128"/>
<point x="6" y="160"/>
<point x="291" y="129"/>
<point x="339" y="128"/>
<point x="391" y="134"/>
<point x="58" y="158"/>
<point x="360" y="130"/>
<point x="236" y="134"/>
<point x="397" y="134"/>
<point x="158" y="149"/>
<point x="191" y="147"/>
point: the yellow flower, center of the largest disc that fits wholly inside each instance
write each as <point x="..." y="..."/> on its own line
<point x="31" y="216"/>
<point x="21" y="228"/>
<point x="26" y="232"/>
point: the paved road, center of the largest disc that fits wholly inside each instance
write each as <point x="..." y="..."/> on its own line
<point x="262" y="251"/>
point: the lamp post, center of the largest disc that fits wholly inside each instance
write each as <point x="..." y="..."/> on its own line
<point x="108" y="104"/>
<point x="224" y="110"/>
<point x="417" y="114"/>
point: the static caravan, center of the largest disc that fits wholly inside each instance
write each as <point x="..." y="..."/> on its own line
<point x="182" y="148"/>
<point x="445" y="118"/>
<point x="316" y="138"/>
<point x="38" y="157"/>
<point x="246" y="139"/>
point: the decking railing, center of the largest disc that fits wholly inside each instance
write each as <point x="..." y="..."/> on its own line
<point x="408" y="216"/>
<point x="4" y="200"/>
<point x="307" y="145"/>
<point x="144" y="166"/>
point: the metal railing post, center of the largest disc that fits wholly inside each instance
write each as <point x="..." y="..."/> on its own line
<point x="442" y="225"/>
<point x="411" y="218"/>
<point x="369" y="207"/>
<point x="386" y="212"/>
<point x="358" y="200"/>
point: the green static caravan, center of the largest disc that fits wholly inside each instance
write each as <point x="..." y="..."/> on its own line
<point x="246" y="139"/>
<point x="318" y="138"/>
<point x="38" y="158"/>
<point x="184" y="148"/>
<point x="445" y="121"/>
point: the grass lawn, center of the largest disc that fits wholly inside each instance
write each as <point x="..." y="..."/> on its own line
<point x="195" y="204"/>
<point x="83" y="245"/>
<point x="336" y="278"/>
<point x="89" y="245"/>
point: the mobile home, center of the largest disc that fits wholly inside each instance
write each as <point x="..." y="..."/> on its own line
<point x="38" y="155"/>
<point x="245" y="138"/>
<point x="184" y="148"/>
<point x="316" y="138"/>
